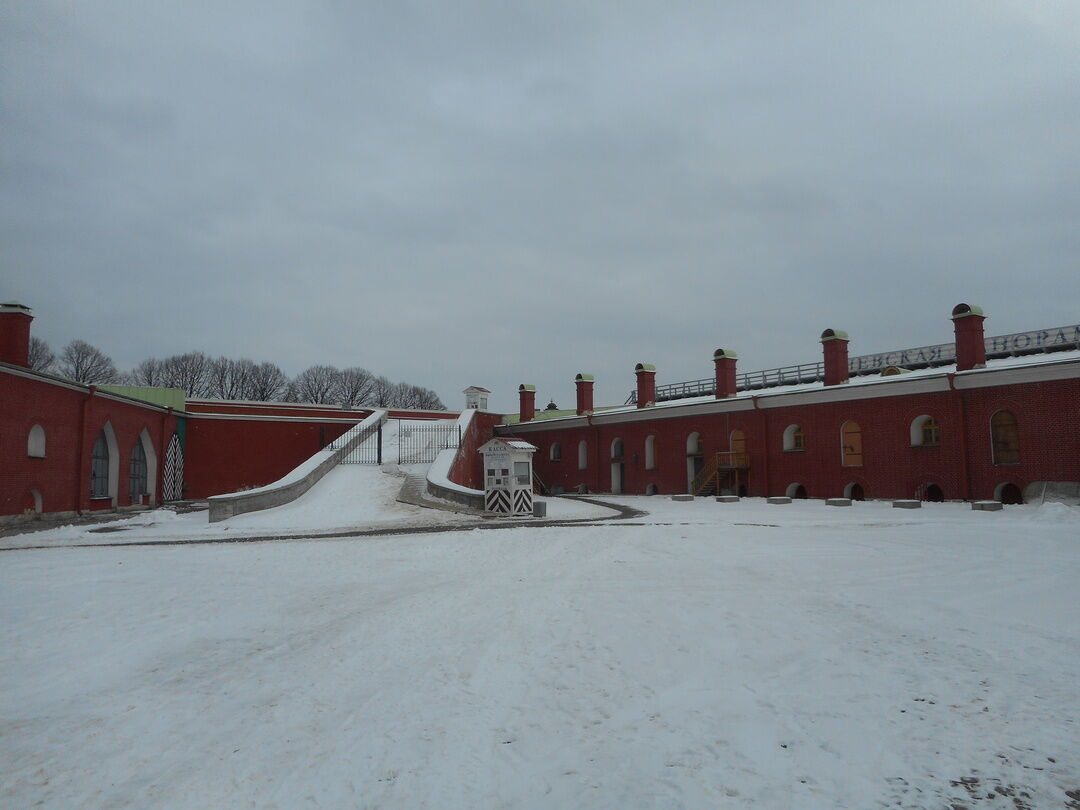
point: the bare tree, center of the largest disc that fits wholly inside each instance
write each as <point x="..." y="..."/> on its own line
<point x="148" y="372"/>
<point x="41" y="357"/>
<point x="427" y="399"/>
<point x="83" y="363"/>
<point x="230" y="379"/>
<point x="268" y="383"/>
<point x="354" y="386"/>
<point x="189" y="372"/>
<point x="317" y="385"/>
<point x="382" y="392"/>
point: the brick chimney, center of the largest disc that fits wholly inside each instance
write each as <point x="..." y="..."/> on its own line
<point x="526" y="402"/>
<point x="15" y="334"/>
<point x="724" y="360"/>
<point x="584" y="383"/>
<point x="834" y="344"/>
<point x="970" y="343"/>
<point x="646" y="384"/>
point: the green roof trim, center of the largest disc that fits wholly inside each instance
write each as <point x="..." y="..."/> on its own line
<point x="834" y="334"/>
<point x="174" y="398"/>
<point x="524" y="387"/>
<point x="721" y="353"/>
<point x="644" y="367"/>
<point x="584" y="378"/>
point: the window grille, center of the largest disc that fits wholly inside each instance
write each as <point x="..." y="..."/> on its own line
<point x="138" y="476"/>
<point x="99" y="468"/>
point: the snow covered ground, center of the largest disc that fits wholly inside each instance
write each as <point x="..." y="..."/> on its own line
<point x="707" y="656"/>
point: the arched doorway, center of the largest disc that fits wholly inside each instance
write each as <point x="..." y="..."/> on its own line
<point x="797" y="491"/>
<point x="616" y="466"/>
<point x="695" y="459"/>
<point x="851" y="445"/>
<point x="934" y="493"/>
<point x="854" y="491"/>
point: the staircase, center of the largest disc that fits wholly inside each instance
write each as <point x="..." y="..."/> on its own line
<point x="721" y="471"/>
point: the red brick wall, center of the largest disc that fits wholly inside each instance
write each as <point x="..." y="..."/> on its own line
<point x="468" y="467"/>
<point x="961" y="465"/>
<point x="225" y="455"/>
<point x="72" y="420"/>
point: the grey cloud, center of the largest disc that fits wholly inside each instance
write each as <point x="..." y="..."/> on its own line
<point x="498" y="193"/>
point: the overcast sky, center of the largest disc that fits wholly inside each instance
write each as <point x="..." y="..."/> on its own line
<point x="496" y="193"/>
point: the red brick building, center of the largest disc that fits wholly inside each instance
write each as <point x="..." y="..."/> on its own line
<point x="940" y="422"/>
<point x="67" y="448"/>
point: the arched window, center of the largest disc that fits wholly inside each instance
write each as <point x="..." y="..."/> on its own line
<point x="35" y="442"/>
<point x="137" y="475"/>
<point x="694" y="445"/>
<point x="616" y="449"/>
<point x="555" y="452"/>
<point x="583" y="455"/>
<point x="1005" y="438"/>
<point x="925" y="431"/>
<point x="794" y="439"/>
<point x="737" y="445"/>
<point x="650" y="453"/>
<point x="851" y="444"/>
<point x="99" y="467"/>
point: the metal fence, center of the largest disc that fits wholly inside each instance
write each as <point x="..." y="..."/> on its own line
<point x="1057" y="339"/>
<point x="368" y="451"/>
<point x="419" y="444"/>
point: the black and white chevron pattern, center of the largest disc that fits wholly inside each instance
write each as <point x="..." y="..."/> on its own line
<point x="523" y="502"/>
<point x="498" y="501"/>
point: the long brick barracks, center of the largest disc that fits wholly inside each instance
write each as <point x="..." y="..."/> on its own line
<point x="981" y="417"/>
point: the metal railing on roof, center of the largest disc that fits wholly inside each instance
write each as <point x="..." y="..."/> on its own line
<point x="1019" y="343"/>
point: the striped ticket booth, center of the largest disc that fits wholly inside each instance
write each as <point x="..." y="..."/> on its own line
<point x="508" y="480"/>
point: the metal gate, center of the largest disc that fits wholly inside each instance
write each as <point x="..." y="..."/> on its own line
<point x="419" y="444"/>
<point x="369" y="451"/>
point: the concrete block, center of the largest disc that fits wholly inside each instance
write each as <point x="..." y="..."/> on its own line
<point x="540" y="509"/>
<point x="682" y="497"/>
<point x="907" y="504"/>
<point x="986" y="506"/>
<point x="779" y="499"/>
<point x="727" y="498"/>
<point x="838" y="502"/>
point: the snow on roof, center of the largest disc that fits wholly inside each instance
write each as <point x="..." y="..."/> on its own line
<point x="513" y="444"/>
<point x="780" y="390"/>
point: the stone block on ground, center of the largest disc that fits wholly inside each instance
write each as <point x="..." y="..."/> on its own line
<point x="779" y="499"/>
<point x="838" y="502"/>
<point x="682" y="497"/>
<point x="727" y="498"/>
<point x="986" y="506"/>
<point x="907" y="504"/>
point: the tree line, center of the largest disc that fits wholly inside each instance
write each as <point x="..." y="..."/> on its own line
<point x="205" y="377"/>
